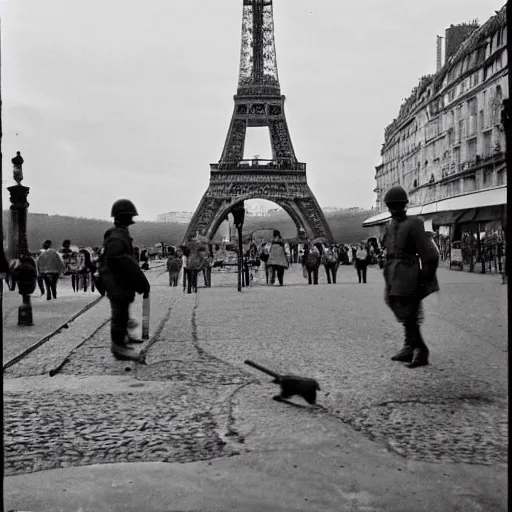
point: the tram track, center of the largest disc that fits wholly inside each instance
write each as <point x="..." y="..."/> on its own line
<point x="38" y="344"/>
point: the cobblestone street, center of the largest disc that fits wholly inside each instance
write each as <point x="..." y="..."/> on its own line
<point x="195" y="399"/>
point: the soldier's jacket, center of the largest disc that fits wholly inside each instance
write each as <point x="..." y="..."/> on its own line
<point x="406" y="245"/>
<point x="119" y="271"/>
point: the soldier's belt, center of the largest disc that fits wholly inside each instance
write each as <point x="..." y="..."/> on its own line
<point x="406" y="258"/>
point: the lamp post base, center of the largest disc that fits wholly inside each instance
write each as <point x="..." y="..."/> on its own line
<point x="25" y="312"/>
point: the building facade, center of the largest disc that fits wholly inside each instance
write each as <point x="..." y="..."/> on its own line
<point x="447" y="145"/>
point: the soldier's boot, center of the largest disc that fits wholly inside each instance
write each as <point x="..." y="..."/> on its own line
<point x="124" y="353"/>
<point x="119" y="349"/>
<point x="405" y="355"/>
<point x="421" y="352"/>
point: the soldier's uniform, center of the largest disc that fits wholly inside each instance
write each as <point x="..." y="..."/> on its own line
<point x="410" y="266"/>
<point x="121" y="277"/>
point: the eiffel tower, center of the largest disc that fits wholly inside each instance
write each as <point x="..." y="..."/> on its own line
<point x="258" y="102"/>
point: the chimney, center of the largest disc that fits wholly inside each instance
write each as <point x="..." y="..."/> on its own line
<point x="455" y="36"/>
<point x="439" y="62"/>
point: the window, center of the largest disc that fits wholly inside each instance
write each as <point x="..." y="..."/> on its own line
<point x="462" y="130"/>
<point x="471" y="149"/>
<point x="501" y="178"/>
<point x="456" y="157"/>
<point x="470" y="184"/>
<point x="472" y="116"/>
<point x="486" y="144"/>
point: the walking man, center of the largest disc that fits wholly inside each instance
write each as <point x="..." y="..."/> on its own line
<point x="50" y="267"/>
<point x="407" y="284"/>
<point x="122" y="277"/>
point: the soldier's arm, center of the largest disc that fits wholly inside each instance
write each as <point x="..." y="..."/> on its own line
<point x="425" y="249"/>
<point x="124" y="266"/>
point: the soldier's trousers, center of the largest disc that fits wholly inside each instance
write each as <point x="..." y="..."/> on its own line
<point x="409" y="312"/>
<point x="119" y="320"/>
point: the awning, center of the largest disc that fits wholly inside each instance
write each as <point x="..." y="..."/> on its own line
<point x="480" y="199"/>
<point x="467" y="216"/>
<point x="381" y="218"/>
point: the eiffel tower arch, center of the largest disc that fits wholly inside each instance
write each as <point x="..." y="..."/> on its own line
<point x="258" y="102"/>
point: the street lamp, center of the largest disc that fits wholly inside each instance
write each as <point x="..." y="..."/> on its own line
<point x="238" y="212"/>
<point x="23" y="266"/>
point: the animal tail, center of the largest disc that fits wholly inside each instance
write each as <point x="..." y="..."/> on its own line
<point x="262" y="369"/>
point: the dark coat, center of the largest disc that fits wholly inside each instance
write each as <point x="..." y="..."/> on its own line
<point x="406" y="245"/>
<point x="119" y="271"/>
<point x="174" y="264"/>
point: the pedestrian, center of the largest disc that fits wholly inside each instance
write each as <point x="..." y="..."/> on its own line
<point x="144" y="258"/>
<point x="50" y="267"/>
<point x="174" y="264"/>
<point x="264" y="255"/>
<point x="88" y="268"/>
<point x="330" y="260"/>
<point x="195" y="257"/>
<point x="277" y="260"/>
<point x="121" y="277"/>
<point x="207" y="266"/>
<point x="410" y="274"/>
<point x="313" y="261"/>
<point x="70" y="258"/>
<point x="185" y="253"/>
<point x="40" y="279"/>
<point x="362" y="261"/>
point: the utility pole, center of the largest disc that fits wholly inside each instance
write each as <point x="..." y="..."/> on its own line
<point x="238" y="212"/>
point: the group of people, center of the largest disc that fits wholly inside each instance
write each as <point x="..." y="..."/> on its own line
<point x="331" y="257"/>
<point x="51" y="265"/>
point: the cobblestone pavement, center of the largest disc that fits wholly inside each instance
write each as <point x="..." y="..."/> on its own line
<point x="193" y="398"/>
<point x="455" y="410"/>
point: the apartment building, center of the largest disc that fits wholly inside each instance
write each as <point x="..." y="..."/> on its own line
<point x="447" y="145"/>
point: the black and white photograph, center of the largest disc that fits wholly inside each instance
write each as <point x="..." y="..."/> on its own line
<point x="254" y="255"/>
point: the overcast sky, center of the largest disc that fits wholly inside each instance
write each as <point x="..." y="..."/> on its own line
<point x="127" y="98"/>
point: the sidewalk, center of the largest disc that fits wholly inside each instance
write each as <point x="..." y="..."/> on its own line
<point x="48" y="315"/>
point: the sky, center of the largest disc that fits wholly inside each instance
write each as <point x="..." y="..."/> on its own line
<point x="125" y="98"/>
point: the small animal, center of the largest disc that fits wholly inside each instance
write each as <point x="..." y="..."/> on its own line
<point x="291" y="385"/>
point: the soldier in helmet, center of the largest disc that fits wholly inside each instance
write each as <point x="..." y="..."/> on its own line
<point x="410" y="274"/>
<point x="121" y="277"/>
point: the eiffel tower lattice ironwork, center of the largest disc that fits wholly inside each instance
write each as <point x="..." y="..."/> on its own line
<point x="258" y="102"/>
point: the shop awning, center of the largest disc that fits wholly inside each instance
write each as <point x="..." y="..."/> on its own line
<point x="480" y="199"/>
<point x="380" y="218"/>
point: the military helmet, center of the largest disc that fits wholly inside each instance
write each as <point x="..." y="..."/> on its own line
<point x="123" y="207"/>
<point x="396" y="194"/>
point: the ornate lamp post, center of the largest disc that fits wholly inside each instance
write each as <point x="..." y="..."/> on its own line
<point x="238" y="212"/>
<point x="23" y="266"/>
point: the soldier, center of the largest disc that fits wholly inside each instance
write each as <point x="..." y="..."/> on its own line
<point x="407" y="283"/>
<point x="122" y="277"/>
